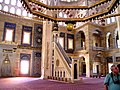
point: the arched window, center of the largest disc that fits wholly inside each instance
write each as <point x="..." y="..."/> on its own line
<point x="24" y="13"/>
<point x="116" y="39"/>
<point x="60" y="23"/>
<point x="7" y="1"/>
<point x="0" y="7"/>
<point x="29" y="15"/>
<point x="19" y="3"/>
<point x="65" y="15"/>
<point x="18" y="12"/>
<point x="12" y="10"/>
<point x="13" y="2"/>
<point x="113" y="19"/>
<point x="108" y="21"/>
<point x="60" y="14"/>
<point x="5" y="8"/>
<point x="108" y="39"/>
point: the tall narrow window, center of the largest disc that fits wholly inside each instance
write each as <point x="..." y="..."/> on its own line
<point x="0" y="7"/>
<point x="24" y="66"/>
<point x="113" y="19"/>
<point x="108" y="39"/>
<point x="108" y="21"/>
<point x="26" y="37"/>
<point x="65" y="15"/>
<point x="70" y="43"/>
<point x="9" y="35"/>
<point x="61" y="41"/>
<point x="60" y="14"/>
<point x="9" y="32"/>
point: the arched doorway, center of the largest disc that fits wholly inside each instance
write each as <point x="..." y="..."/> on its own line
<point x="75" y="71"/>
<point x="25" y="64"/>
<point x="82" y="67"/>
<point x="98" y="64"/>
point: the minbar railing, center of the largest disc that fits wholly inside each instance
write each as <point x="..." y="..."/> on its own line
<point x="64" y="53"/>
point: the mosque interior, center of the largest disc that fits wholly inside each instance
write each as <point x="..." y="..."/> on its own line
<point x="57" y="39"/>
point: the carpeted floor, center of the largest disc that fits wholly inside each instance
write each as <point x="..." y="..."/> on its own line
<point x="28" y="83"/>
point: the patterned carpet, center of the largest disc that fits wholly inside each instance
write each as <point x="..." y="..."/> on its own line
<point x="27" y="83"/>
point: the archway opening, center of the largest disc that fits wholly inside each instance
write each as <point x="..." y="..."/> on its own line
<point x="75" y="71"/>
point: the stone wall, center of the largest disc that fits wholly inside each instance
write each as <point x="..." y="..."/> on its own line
<point x="13" y="50"/>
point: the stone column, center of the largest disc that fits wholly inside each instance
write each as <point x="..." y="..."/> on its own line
<point x="87" y="61"/>
<point x="78" y="69"/>
<point x="46" y="49"/>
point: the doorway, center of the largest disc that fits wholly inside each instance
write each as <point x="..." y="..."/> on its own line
<point x="24" y="67"/>
<point x="97" y="66"/>
<point x="83" y="69"/>
<point x="75" y="71"/>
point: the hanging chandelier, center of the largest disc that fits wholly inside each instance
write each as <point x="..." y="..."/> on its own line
<point x="39" y="9"/>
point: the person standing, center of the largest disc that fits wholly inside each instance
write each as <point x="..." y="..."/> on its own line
<point x="112" y="80"/>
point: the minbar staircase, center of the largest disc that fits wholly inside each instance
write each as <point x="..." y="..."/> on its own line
<point x="62" y="71"/>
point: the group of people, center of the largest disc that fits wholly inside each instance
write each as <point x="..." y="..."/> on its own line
<point x="112" y="80"/>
